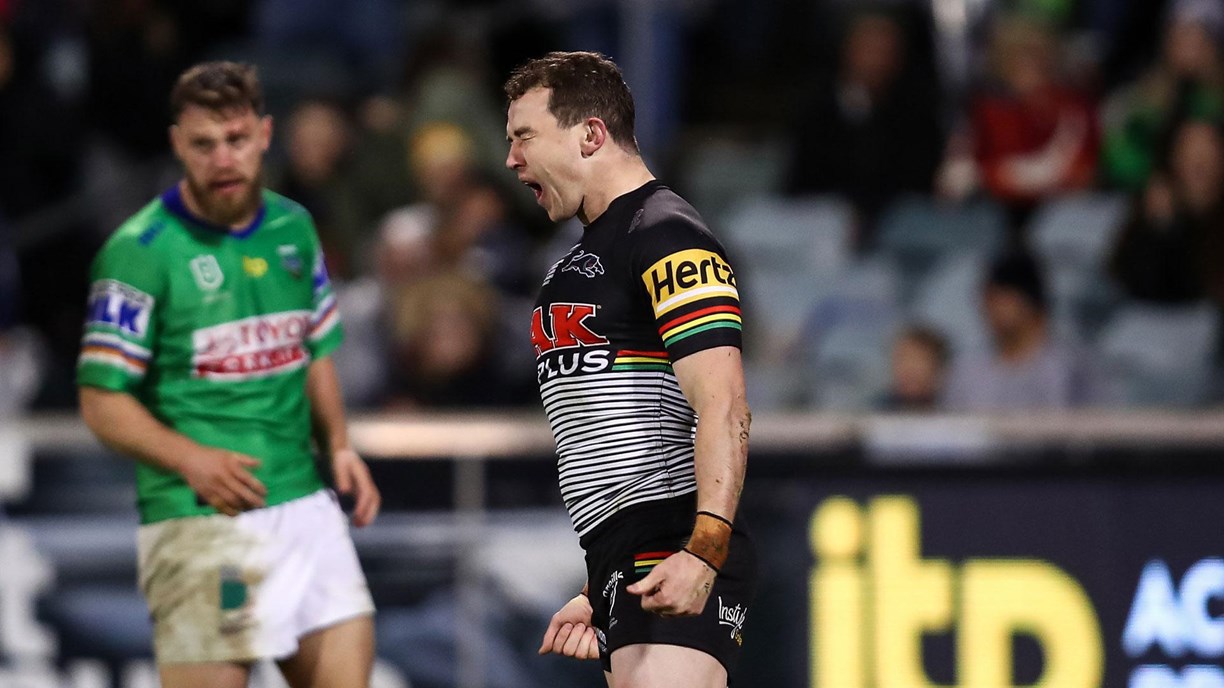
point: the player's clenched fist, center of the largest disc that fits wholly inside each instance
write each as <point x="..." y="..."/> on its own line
<point x="570" y="632"/>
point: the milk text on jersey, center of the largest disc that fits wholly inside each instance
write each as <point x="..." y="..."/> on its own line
<point x="561" y="337"/>
<point x="119" y="306"/>
<point x="253" y="347"/>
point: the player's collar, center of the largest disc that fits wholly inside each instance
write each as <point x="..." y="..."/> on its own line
<point x="172" y="198"/>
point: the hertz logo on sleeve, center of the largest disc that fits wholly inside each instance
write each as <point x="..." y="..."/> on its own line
<point x="687" y="276"/>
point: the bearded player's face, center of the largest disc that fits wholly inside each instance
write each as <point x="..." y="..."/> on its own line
<point x="222" y="154"/>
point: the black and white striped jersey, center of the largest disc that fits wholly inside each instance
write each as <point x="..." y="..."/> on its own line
<point x="647" y="285"/>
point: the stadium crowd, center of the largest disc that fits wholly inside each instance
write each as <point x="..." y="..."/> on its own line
<point x="1018" y="206"/>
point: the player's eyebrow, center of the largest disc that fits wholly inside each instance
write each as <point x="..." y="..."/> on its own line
<point x="518" y="133"/>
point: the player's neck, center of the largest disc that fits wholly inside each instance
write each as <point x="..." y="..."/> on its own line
<point x="607" y="184"/>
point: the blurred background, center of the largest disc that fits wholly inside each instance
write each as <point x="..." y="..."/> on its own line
<point x="980" y="248"/>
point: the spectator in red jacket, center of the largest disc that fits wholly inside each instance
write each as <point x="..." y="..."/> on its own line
<point x="1033" y="135"/>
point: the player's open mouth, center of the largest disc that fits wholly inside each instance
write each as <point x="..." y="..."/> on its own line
<point x="226" y="185"/>
<point x="536" y="189"/>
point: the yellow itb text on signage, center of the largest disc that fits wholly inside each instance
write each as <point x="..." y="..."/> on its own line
<point x="873" y="597"/>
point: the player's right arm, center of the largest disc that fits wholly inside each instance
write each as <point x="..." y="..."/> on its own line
<point x="570" y="631"/>
<point x="121" y="328"/>
<point x="221" y="478"/>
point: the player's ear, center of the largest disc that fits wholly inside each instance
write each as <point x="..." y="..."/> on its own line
<point x="594" y="136"/>
<point x="265" y="132"/>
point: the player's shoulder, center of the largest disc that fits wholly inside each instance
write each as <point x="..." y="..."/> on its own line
<point x="664" y="207"/>
<point x="280" y="207"/>
<point x="143" y="230"/>
<point x="666" y="219"/>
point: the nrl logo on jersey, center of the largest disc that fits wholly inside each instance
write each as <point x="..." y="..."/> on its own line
<point x="585" y="264"/>
<point x="207" y="272"/>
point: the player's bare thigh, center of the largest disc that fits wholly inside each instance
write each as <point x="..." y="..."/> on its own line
<point x="665" y="666"/>
<point x="204" y="675"/>
<point x="339" y="656"/>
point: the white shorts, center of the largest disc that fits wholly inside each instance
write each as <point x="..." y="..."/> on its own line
<point x="240" y="589"/>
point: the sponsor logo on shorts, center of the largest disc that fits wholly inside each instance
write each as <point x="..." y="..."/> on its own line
<point x="119" y="306"/>
<point x="585" y="264"/>
<point x="733" y="617"/>
<point x="686" y="276"/>
<point x="234" y="597"/>
<point x="609" y="592"/>
<point x="252" y="347"/>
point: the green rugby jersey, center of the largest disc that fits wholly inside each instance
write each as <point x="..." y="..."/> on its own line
<point x="213" y="331"/>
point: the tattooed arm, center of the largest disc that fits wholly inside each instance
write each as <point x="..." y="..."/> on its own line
<point x="713" y="382"/>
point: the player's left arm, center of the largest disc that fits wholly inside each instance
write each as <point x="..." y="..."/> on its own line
<point x="351" y="474"/>
<point x="713" y="382"/>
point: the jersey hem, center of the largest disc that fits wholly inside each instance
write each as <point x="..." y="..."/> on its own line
<point x="681" y="503"/>
<point x="165" y="508"/>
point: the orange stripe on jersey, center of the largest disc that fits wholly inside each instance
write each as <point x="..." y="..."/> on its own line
<point x="114" y="352"/>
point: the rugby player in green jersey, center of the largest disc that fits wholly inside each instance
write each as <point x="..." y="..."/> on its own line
<point x="205" y="358"/>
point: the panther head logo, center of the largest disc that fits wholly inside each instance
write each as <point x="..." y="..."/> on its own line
<point x="586" y="264"/>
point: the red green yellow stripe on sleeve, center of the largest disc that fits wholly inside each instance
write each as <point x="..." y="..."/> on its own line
<point x="701" y="320"/>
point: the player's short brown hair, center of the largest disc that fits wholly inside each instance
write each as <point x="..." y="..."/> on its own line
<point x="217" y="86"/>
<point x="582" y="85"/>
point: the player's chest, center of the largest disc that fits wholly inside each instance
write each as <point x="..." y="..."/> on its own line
<point x="593" y="273"/>
<point x="589" y="298"/>
<point x="218" y="283"/>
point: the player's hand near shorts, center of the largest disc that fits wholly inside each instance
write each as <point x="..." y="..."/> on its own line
<point x="678" y="586"/>
<point x="570" y="632"/>
<point x="223" y="479"/>
<point x="352" y="477"/>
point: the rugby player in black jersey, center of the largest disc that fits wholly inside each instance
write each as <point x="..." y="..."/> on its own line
<point x="637" y="335"/>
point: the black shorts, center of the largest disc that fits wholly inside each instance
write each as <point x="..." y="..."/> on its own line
<point x="623" y="549"/>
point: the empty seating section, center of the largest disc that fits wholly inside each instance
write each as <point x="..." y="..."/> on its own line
<point x="821" y="315"/>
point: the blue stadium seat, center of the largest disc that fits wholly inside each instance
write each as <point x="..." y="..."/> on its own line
<point x="813" y="234"/>
<point x="1077" y="230"/>
<point x="1161" y="355"/>
<point x="848" y="335"/>
<point x="918" y="232"/>
<point x="850" y="366"/>
<point x="787" y="255"/>
<point x="1073" y="237"/>
<point x="949" y="299"/>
